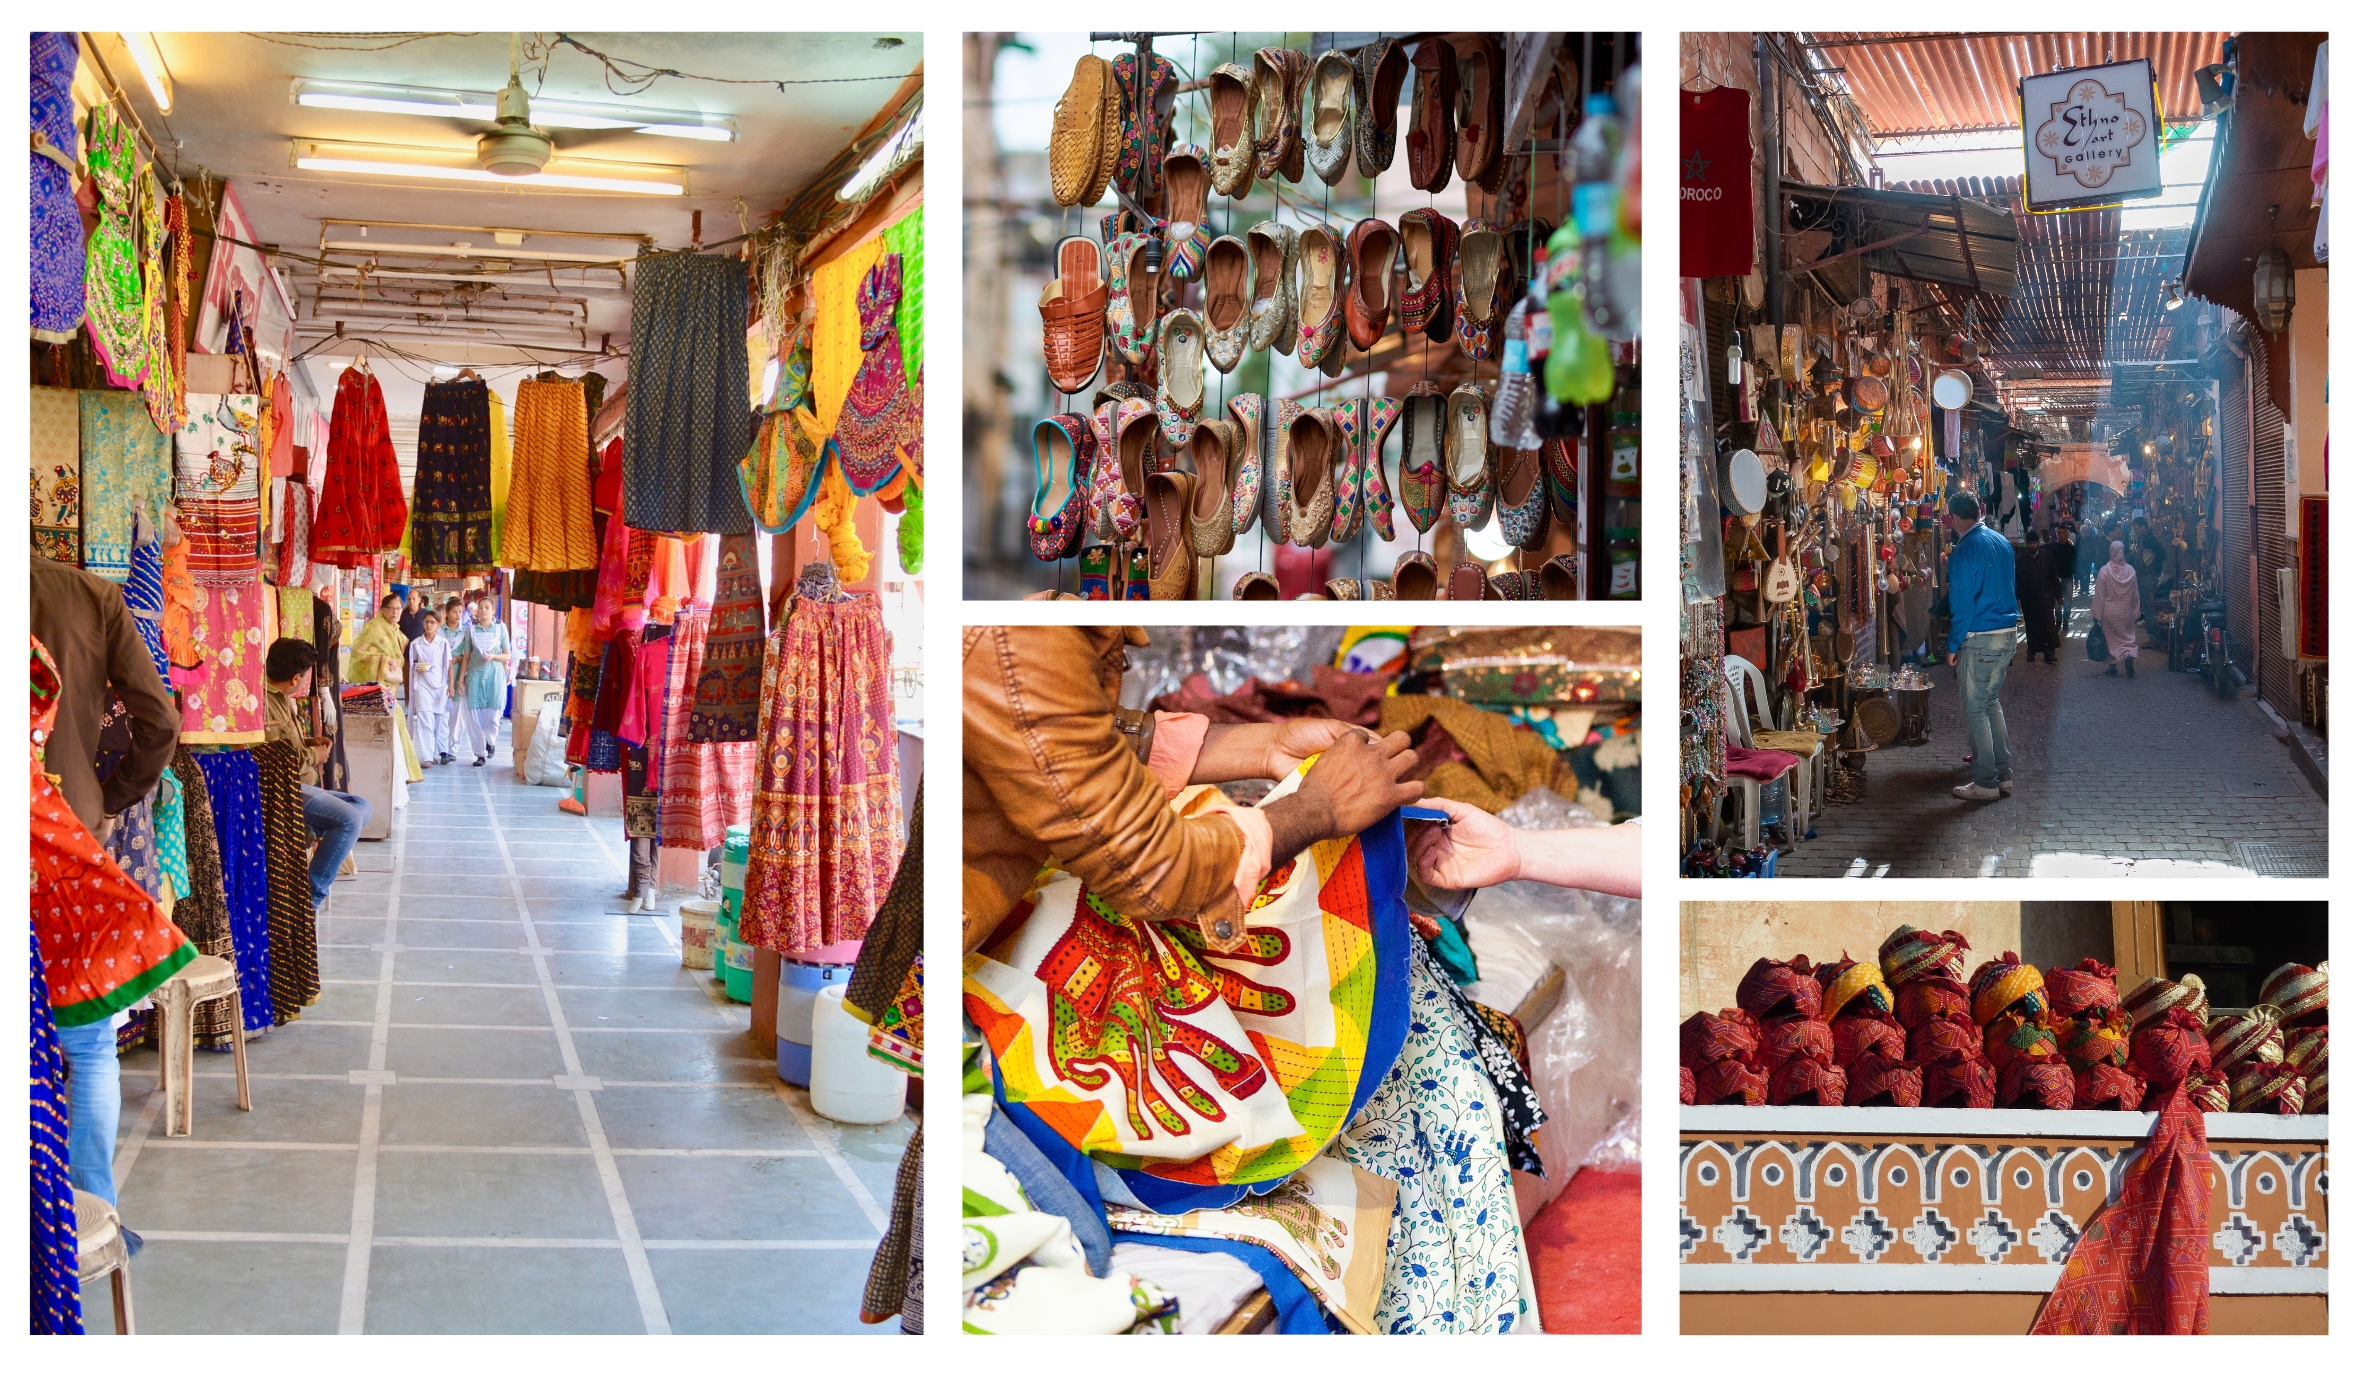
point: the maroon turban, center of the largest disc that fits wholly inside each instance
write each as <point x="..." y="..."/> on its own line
<point x="1921" y="999"/>
<point x="2100" y="1085"/>
<point x="1944" y="1038"/>
<point x="1858" y="1032"/>
<point x="1707" y="1037"/>
<point x="1958" y="1084"/>
<point x="1772" y="988"/>
<point x="2033" y="1083"/>
<point x="1686" y="1087"/>
<point x="2260" y="1087"/>
<point x="2170" y="1049"/>
<point x="1729" y="1081"/>
<point x="2090" y="987"/>
<point x="1786" y="1038"/>
<point x="2208" y="1092"/>
<point x="2097" y="1038"/>
<point x="1813" y="1081"/>
<point x="1877" y="1080"/>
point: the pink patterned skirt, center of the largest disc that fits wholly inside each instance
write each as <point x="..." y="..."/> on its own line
<point x="705" y="788"/>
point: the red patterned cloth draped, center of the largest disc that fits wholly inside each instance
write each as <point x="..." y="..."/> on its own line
<point x="362" y="510"/>
<point x="726" y="704"/>
<point x="2141" y="1266"/>
<point x="705" y="788"/>
<point x="825" y="821"/>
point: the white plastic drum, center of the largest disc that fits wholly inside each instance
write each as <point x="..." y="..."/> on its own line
<point x="845" y="1083"/>
<point x="1745" y="483"/>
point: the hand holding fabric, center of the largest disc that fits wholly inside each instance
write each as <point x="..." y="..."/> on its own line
<point x="1354" y="782"/>
<point x="1476" y="851"/>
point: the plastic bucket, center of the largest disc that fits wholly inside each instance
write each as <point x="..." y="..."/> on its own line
<point x="845" y="1083"/>
<point x="698" y="933"/>
<point x="723" y="935"/>
<point x="736" y="971"/>
<point x="734" y="853"/>
<point x="797" y="988"/>
<point x="792" y="1063"/>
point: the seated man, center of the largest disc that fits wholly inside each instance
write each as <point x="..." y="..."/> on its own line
<point x="335" y="818"/>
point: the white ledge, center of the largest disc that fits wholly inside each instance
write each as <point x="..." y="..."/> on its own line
<point x="1735" y="1120"/>
<point x="1965" y="1278"/>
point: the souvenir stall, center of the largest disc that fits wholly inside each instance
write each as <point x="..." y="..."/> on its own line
<point x="1296" y="1193"/>
<point x="2016" y="1129"/>
<point x="684" y="560"/>
<point x="1246" y="298"/>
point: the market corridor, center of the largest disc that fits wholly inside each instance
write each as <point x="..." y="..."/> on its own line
<point x="2149" y="776"/>
<point x="511" y="1110"/>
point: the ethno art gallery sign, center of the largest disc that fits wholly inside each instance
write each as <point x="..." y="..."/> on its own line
<point x="2092" y="136"/>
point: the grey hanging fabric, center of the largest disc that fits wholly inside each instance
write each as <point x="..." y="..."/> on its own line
<point x="688" y="424"/>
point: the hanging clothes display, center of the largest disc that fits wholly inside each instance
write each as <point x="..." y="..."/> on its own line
<point x="292" y="558"/>
<point x="203" y="915"/>
<point x="783" y="470"/>
<point x="327" y="690"/>
<point x="689" y="414"/>
<point x="163" y="388"/>
<point x="143" y="594"/>
<point x="286" y="842"/>
<point x="834" y="348"/>
<point x="114" y="296"/>
<point x="641" y="765"/>
<point x="726" y="692"/>
<point x="878" y="415"/>
<point x="451" y="535"/>
<point x="56" y="1265"/>
<point x="501" y="453"/>
<point x="57" y="474"/>
<point x="548" y="528"/>
<point x="706" y="788"/>
<point x="221" y="697"/>
<point x="57" y="259"/>
<point x="232" y="785"/>
<point x="126" y="466"/>
<point x="905" y="237"/>
<point x="825" y="821"/>
<point x="171" y="839"/>
<point x="104" y="943"/>
<point x="361" y="508"/>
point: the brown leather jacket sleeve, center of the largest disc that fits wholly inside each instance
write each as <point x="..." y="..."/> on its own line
<point x="1039" y="735"/>
<point x="155" y="721"/>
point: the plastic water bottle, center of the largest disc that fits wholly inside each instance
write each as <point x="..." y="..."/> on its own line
<point x="1594" y="204"/>
<point x="1511" y="419"/>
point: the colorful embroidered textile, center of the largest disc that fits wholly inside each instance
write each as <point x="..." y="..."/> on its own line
<point x="115" y="295"/>
<point x="706" y="788"/>
<point x="171" y="837"/>
<point x="1516" y="1097"/>
<point x="221" y="699"/>
<point x="1203" y="1078"/>
<point x="2141" y="1265"/>
<point x="286" y="840"/>
<point x="548" y="524"/>
<point x="690" y="416"/>
<point x="1329" y="1223"/>
<point x="905" y="237"/>
<point x="57" y="470"/>
<point x="56" y="1268"/>
<point x="1455" y="1261"/>
<point x="1910" y="953"/>
<point x="1957" y="1083"/>
<point x="57" y="263"/>
<point x="876" y="414"/>
<point x="104" y="942"/>
<point x="126" y="467"/>
<point x="450" y="535"/>
<point x="784" y="469"/>
<point x="886" y="989"/>
<point x="176" y="284"/>
<point x="825" y="821"/>
<point x="232" y="781"/>
<point x="164" y="388"/>
<point x="834" y="351"/>
<point x="362" y="510"/>
<point x="2088" y="987"/>
<point x="1931" y="996"/>
<point x="501" y="465"/>
<point x="143" y="594"/>
<point x="580" y="700"/>
<point x="726" y="696"/>
<point x="222" y="538"/>
<point x="2107" y="1086"/>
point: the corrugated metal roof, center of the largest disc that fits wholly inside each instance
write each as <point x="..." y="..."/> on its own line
<point x="2089" y="296"/>
<point x="1943" y="83"/>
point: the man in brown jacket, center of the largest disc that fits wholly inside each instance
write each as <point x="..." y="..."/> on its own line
<point x="1055" y="772"/>
<point x="81" y="620"/>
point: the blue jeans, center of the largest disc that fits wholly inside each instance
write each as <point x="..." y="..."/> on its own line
<point x="1985" y="658"/>
<point x="335" y="818"/>
<point x="94" y="1097"/>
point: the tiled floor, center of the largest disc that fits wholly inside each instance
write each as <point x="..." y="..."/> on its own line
<point x="511" y="1110"/>
<point x="2149" y="776"/>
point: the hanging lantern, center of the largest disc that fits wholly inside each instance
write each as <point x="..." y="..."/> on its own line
<point x="2276" y="290"/>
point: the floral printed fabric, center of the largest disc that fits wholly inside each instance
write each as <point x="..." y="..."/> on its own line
<point x="1498" y="1059"/>
<point x="221" y="697"/>
<point x="126" y="467"/>
<point x="878" y="416"/>
<point x="114" y="295"/>
<point x="217" y="454"/>
<point x="57" y="473"/>
<point x="57" y="262"/>
<point x="1456" y="1262"/>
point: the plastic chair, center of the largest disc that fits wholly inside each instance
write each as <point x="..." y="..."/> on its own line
<point x="1805" y="790"/>
<point x="1737" y="730"/>
<point x="101" y="1250"/>
<point x="205" y="979"/>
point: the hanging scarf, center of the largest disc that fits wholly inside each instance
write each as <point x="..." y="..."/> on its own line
<point x="2141" y="1265"/>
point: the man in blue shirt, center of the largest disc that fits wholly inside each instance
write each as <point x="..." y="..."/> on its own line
<point x="1985" y="634"/>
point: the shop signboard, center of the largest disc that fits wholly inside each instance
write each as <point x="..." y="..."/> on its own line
<point x="2091" y="135"/>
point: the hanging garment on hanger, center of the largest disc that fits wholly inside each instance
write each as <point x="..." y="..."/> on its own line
<point x="361" y="508"/>
<point x="58" y="259"/>
<point x="726" y="705"/>
<point x="115" y="296"/>
<point x="162" y="388"/>
<point x="501" y="464"/>
<point x="57" y="474"/>
<point x="232" y="781"/>
<point x="549" y="527"/>
<point x="126" y="466"/>
<point x="143" y="594"/>
<point x="203" y="915"/>
<point x="641" y="764"/>
<point x="450" y="530"/>
<point x="706" y="788"/>
<point x="782" y="470"/>
<point x="825" y="821"/>
<point x="875" y="419"/>
<point x="286" y="860"/>
<point x="688" y="421"/>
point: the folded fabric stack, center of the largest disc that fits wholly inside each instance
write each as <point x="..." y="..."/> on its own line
<point x="1941" y="1041"/>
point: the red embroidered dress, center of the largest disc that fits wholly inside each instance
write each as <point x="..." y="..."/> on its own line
<point x="362" y="510"/>
<point x="104" y="942"/>
<point x="879" y="417"/>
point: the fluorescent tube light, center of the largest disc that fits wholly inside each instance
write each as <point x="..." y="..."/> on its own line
<point x="483" y="105"/>
<point x="438" y="164"/>
<point x="149" y="59"/>
<point x="897" y="151"/>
